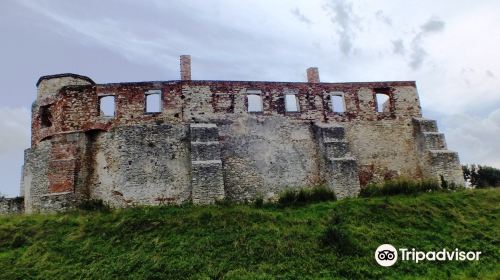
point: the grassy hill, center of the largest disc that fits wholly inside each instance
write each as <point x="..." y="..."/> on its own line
<point x="319" y="241"/>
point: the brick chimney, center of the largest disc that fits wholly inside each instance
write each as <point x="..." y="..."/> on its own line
<point x="185" y="67"/>
<point x="312" y="75"/>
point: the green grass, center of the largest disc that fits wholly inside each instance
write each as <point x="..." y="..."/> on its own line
<point x="294" y="197"/>
<point x="324" y="240"/>
<point x="406" y="186"/>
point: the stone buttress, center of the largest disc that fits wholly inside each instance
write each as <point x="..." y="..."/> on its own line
<point x="206" y="166"/>
<point x="436" y="160"/>
<point x="338" y="167"/>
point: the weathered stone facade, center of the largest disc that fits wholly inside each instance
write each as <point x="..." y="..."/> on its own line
<point x="207" y="142"/>
<point x="11" y="205"/>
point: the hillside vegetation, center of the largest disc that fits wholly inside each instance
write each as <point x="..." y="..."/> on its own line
<point x="324" y="240"/>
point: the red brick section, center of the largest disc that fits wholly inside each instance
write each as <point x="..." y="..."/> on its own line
<point x="61" y="176"/>
<point x="62" y="167"/>
<point x="312" y="75"/>
<point x="185" y="67"/>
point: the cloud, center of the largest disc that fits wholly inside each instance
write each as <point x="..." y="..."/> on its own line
<point x="398" y="47"/>
<point x="296" y="12"/>
<point x="237" y="39"/>
<point x="15" y="126"/>
<point x="418" y="54"/>
<point x="380" y="15"/>
<point x="341" y="14"/>
<point x="475" y="137"/>
<point x="432" y="25"/>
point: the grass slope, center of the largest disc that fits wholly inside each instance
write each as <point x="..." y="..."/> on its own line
<point x="321" y="241"/>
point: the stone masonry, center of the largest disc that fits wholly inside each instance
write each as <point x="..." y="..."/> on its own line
<point x="211" y="140"/>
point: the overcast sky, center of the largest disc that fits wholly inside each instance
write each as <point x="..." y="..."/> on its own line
<point x="450" y="47"/>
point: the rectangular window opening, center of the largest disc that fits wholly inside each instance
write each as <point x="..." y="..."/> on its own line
<point x="46" y="116"/>
<point x="291" y="103"/>
<point x="382" y="102"/>
<point x="338" y="103"/>
<point x="254" y="100"/>
<point x="107" y="106"/>
<point x="153" y="101"/>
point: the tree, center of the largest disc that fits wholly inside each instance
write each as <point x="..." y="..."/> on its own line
<point x="481" y="176"/>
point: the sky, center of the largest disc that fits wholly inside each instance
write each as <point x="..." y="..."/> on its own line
<point x="449" y="47"/>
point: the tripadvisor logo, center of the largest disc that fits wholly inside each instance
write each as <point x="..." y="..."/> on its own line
<point x="387" y="255"/>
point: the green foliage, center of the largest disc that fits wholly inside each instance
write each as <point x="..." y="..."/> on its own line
<point x="93" y="205"/>
<point x="404" y="186"/>
<point x="225" y="202"/>
<point x="292" y="197"/>
<point x="445" y="185"/>
<point x="326" y="240"/>
<point x="259" y="202"/>
<point x="481" y="176"/>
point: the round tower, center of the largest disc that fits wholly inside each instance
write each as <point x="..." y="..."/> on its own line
<point x="48" y="86"/>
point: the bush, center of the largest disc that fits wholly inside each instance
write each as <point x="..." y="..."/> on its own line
<point x="93" y="205"/>
<point x="481" y="176"/>
<point x="258" y="202"/>
<point x="224" y="202"/>
<point x="303" y="196"/>
<point x="402" y="186"/>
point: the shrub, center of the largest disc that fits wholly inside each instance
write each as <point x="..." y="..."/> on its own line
<point x="400" y="186"/>
<point x="258" y="202"/>
<point x="19" y="240"/>
<point x="303" y="196"/>
<point x="224" y="202"/>
<point x="93" y="205"/>
<point x="481" y="176"/>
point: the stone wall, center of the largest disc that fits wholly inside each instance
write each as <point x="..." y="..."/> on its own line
<point x="11" y="205"/>
<point x="141" y="165"/>
<point x="205" y="145"/>
<point x="53" y="172"/>
<point x="436" y="160"/>
<point x="263" y="156"/>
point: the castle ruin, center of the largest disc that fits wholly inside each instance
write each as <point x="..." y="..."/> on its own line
<point x="170" y="142"/>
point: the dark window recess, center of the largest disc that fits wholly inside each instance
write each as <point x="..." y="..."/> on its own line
<point x="107" y="106"/>
<point x="46" y="116"/>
